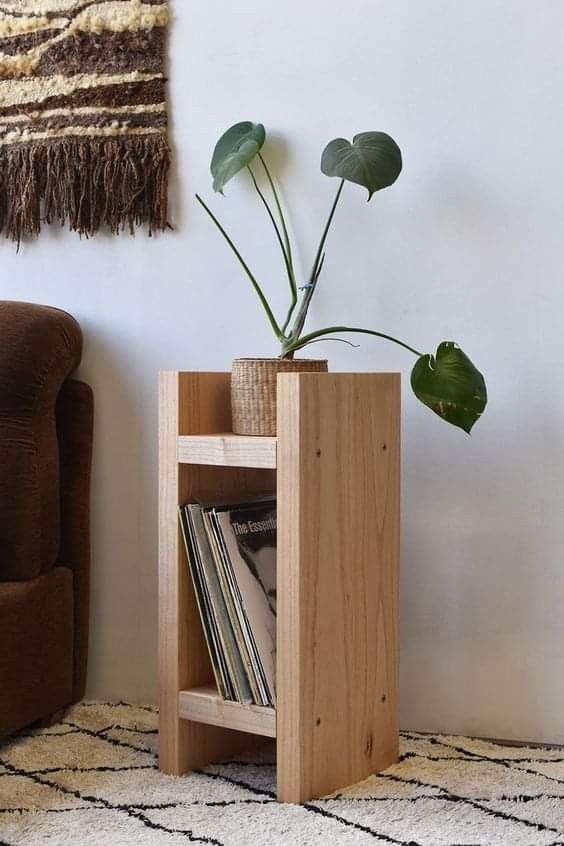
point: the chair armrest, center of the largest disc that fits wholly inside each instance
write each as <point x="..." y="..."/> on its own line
<point x="75" y="411"/>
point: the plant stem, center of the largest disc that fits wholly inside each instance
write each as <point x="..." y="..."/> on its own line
<point x="315" y="271"/>
<point x="326" y="230"/>
<point x="287" y="245"/>
<point x="292" y="346"/>
<point x="287" y="258"/>
<point x="264" y="302"/>
<point x="324" y="340"/>
<point x="282" y="219"/>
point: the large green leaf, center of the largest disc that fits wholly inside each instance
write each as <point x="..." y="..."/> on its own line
<point x="235" y="150"/>
<point x="450" y="385"/>
<point x="373" y="160"/>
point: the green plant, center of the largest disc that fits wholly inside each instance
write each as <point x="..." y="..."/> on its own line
<point x="446" y="382"/>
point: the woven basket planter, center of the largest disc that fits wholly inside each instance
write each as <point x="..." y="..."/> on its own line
<point x="253" y="390"/>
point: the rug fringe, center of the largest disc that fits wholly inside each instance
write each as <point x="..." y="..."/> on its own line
<point x="89" y="184"/>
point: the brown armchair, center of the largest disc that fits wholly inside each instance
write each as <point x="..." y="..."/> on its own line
<point x="45" y="459"/>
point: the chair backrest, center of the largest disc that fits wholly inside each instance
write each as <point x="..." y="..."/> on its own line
<point x="39" y="348"/>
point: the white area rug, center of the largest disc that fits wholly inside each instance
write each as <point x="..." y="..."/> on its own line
<point x="93" y="781"/>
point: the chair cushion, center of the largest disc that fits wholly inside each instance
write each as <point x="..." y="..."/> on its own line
<point x="36" y="648"/>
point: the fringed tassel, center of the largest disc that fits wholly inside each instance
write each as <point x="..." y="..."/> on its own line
<point x="87" y="184"/>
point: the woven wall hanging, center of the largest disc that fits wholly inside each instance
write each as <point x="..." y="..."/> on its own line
<point x="83" y="123"/>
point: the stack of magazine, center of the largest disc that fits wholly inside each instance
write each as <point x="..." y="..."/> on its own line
<point x="231" y="551"/>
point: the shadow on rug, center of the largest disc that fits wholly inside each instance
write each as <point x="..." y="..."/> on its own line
<point x="93" y="780"/>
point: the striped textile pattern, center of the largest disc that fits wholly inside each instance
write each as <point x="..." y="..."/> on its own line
<point x="83" y="117"/>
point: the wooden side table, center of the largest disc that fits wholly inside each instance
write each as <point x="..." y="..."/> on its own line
<point x="335" y="466"/>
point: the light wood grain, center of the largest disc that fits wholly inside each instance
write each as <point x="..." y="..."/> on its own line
<point x="228" y="450"/>
<point x="189" y="403"/>
<point x="204" y="705"/>
<point x="338" y="548"/>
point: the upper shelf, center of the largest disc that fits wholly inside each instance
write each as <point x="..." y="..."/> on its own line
<point x="228" y="450"/>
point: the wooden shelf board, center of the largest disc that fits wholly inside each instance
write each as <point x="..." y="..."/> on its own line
<point x="205" y="705"/>
<point x="227" y="450"/>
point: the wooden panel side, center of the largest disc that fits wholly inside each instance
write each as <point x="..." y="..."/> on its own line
<point x="173" y="737"/>
<point x="338" y="488"/>
<point x="189" y="403"/>
<point x="289" y="666"/>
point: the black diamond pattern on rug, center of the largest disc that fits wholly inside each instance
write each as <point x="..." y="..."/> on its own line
<point x="93" y="779"/>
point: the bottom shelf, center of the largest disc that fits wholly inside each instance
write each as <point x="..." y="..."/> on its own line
<point x="205" y="705"/>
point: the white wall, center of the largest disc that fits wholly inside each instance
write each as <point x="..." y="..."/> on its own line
<point x="466" y="246"/>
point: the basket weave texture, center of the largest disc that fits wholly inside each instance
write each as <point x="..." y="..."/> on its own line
<point x="253" y="391"/>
